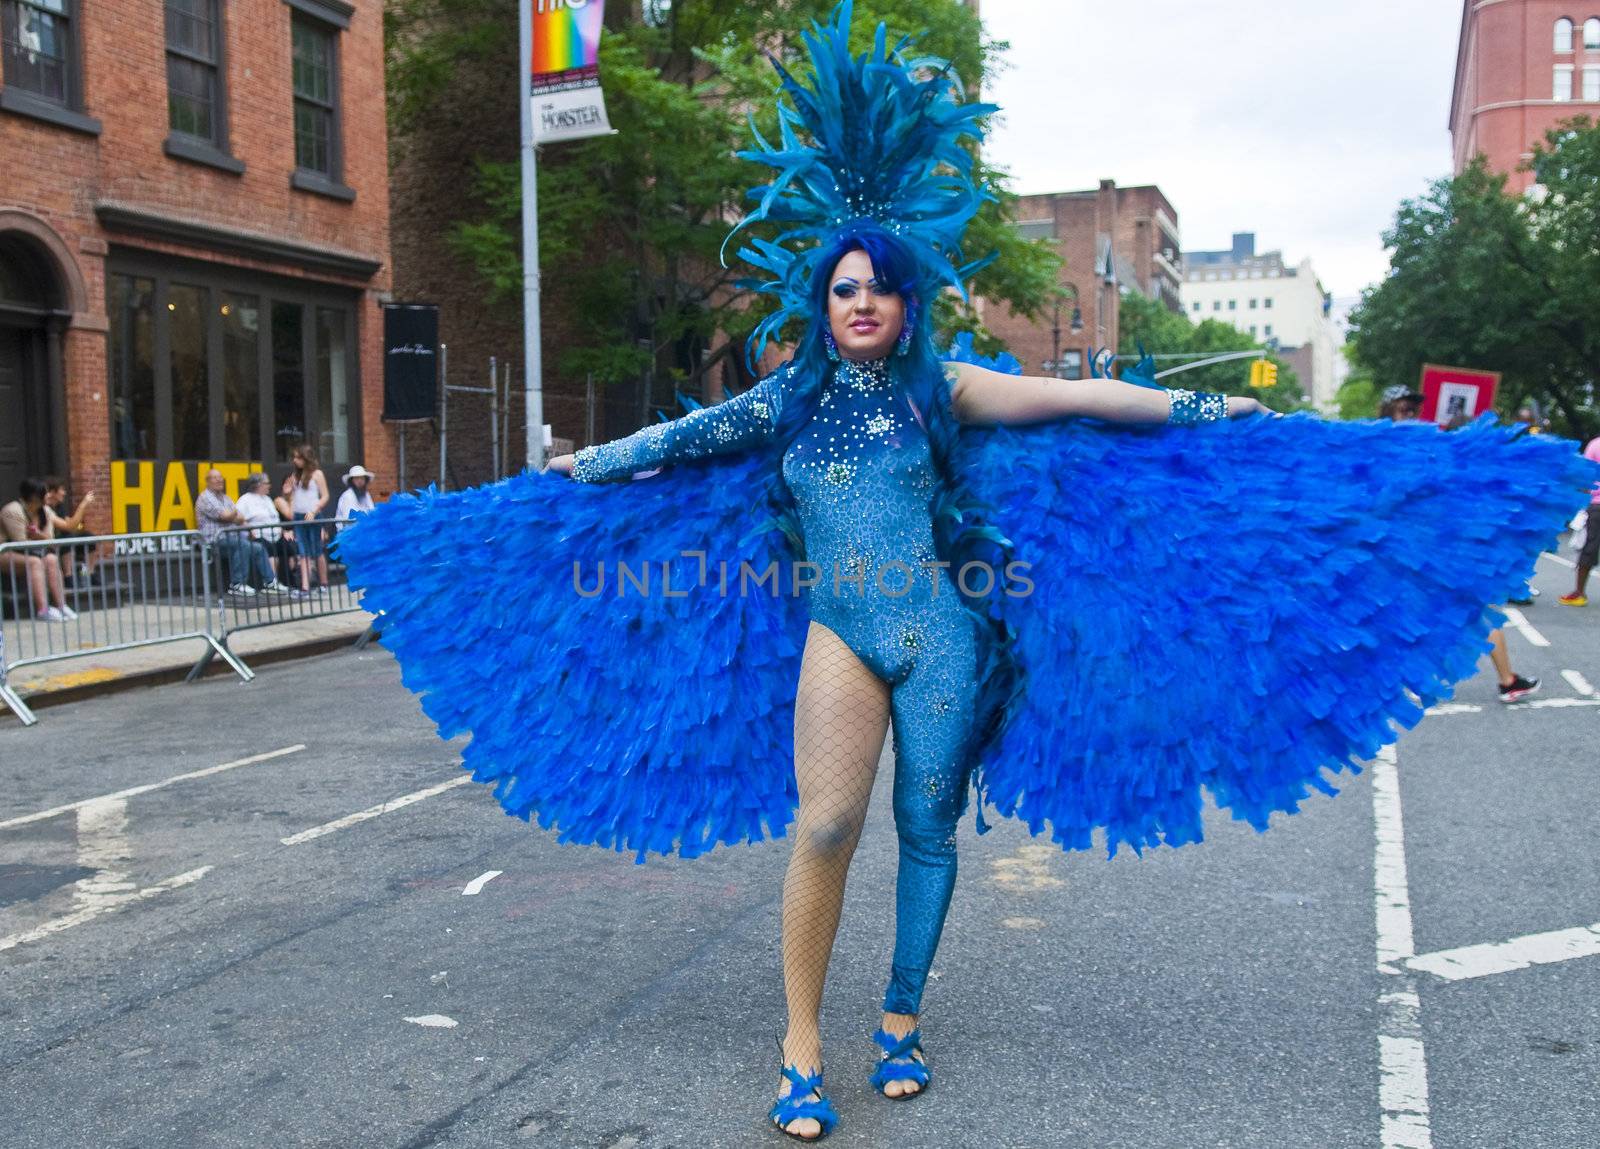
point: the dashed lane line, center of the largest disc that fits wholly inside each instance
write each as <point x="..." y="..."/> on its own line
<point x="1402" y="1058"/>
<point x="1579" y="683"/>
<point x="129" y="793"/>
<point x="1519" y="622"/>
<point x="372" y="812"/>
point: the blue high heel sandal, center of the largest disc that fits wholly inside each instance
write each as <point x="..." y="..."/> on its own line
<point x="897" y="1064"/>
<point x="798" y="1105"/>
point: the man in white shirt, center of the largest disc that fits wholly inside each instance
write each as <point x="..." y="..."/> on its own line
<point x="356" y="498"/>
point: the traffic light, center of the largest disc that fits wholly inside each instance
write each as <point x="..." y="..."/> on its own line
<point x="1263" y="375"/>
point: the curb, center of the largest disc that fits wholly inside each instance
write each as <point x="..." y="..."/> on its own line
<point x="218" y="667"/>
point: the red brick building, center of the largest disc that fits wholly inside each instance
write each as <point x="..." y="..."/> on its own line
<point x="1522" y="67"/>
<point x="1110" y="239"/>
<point x="194" y="238"/>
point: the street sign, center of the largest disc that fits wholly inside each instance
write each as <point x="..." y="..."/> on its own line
<point x="1448" y="392"/>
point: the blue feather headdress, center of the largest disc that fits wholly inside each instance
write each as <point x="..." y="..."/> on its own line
<point x="886" y="147"/>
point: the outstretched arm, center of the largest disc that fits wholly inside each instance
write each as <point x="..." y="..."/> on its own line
<point x="981" y="396"/>
<point x="736" y="424"/>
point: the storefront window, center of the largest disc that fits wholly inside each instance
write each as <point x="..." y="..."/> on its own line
<point x="288" y="379"/>
<point x="133" y="372"/>
<point x="214" y="364"/>
<point x="333" y="388"/>
<point x="241" y="376"/>
<point x="191" y="377"/>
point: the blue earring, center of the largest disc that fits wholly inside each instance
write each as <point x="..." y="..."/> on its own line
<point x="833" y="347"/>
<point x="906" y="328"/>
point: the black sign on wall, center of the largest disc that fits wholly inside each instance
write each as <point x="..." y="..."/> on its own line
<point x="410" y="361"/>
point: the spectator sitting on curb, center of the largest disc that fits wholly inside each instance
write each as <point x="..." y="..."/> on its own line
<point x="24" y="521"/>
<point x="213" y="510"/>
<point x="261" y="510"/>
<point x="1589" y="556"/>
<point x="1399" y="404"/>
<point x="68" y="526"/>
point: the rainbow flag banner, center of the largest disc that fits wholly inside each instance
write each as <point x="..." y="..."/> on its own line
<point x="567" y="101"/>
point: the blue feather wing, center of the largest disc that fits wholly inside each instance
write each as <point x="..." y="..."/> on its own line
<point x="653" y="722"/>
<point x="1244" y="607"/>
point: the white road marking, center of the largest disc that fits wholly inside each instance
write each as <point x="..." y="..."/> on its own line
<point x="1393" y="892"/>
<point x="1450" y="708"/>
<point x="372" y="812"/>
<point x="1402" y="1059"/>
<point x="129" y="793"/>
<point x="1519" y="623"/>
<point x="1579" y="683"/>
<point x="1453" y="708"/>
<point x="479" y="882"/>
<point x="1503" y="957"/>
<point x="109" y="904"/>
<point x="1566" y="562"/>
<point x="434" y="1021"/>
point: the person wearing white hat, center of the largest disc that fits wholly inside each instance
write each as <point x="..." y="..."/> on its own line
<point x="356" y="499"/>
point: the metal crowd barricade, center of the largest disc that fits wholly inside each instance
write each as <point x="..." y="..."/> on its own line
<point x="145" y="589"/>
<point x="245" y="598"/>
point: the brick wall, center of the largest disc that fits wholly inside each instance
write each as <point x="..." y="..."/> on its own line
<point x="56" y="176"/>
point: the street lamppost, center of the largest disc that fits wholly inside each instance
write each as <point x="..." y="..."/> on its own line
<point x="1054" y="365"/>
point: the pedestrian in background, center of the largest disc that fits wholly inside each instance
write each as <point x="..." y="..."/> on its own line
<point x="356" y="499"/>
<point x="1589" y="554"/>
<point x="1399" y="405"/>
<point x="307" y="491"/>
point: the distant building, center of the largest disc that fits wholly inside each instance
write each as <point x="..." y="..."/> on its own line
<point x="1111" y="239"/>
<point x="1522" y="67"/>
<point x="1279" y="305"/>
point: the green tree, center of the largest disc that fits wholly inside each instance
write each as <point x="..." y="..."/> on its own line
<point x="632" y="225"/>
<point x="1479" y="278"/>
<point x="1358" y="396"/>
<point x="1149" y="325"/>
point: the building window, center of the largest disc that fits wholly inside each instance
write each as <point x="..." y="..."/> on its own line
<point x="1216" y="305"/>
<point x="1591" y="32"/>
<point x="210" y="364"/>
<point x="1252" y="331"/>
<point x="1267" y="303"/>
<point x="40" y="49"/>
<point x="316" y="120"/>
<point x="1591" y="85"/>
<point x="1563" y="35"/>
<point x="1197" y="305"/>
<point x="194" y="42"/>
<point x="1562" y="88"/>
<point x="1267" y="331"/>
<point x="1253" y="304"/>
<point x="1233" y="305"/>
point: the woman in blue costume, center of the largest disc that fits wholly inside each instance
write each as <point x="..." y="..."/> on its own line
<point x="982" y="561"/>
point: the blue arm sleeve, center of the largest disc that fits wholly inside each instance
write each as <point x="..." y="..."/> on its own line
<point x="736" y="424"/>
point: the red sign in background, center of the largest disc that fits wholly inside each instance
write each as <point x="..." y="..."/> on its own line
<point x="1451" y="391"/>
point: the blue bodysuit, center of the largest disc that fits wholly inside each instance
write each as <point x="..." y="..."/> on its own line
<point x="862" y="477"/>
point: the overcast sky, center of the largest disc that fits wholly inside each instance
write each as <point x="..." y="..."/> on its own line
<point x="1303" y="121"/>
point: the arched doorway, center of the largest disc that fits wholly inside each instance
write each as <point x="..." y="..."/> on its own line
<point x="33" y="314"/>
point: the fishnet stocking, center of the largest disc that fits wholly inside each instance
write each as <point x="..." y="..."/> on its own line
<point x="841" y="715"/>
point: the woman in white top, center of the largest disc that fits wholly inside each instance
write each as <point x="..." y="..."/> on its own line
<point x="261" y="510"/>
<point x="307" y="492"/>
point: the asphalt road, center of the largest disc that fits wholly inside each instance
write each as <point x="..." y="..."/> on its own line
<point x="174" y="973"/>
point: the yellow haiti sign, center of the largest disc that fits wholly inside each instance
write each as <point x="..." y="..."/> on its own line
<point x="162" y="493"/>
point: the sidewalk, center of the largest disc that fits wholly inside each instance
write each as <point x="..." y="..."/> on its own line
<point x="50" y="683"/>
